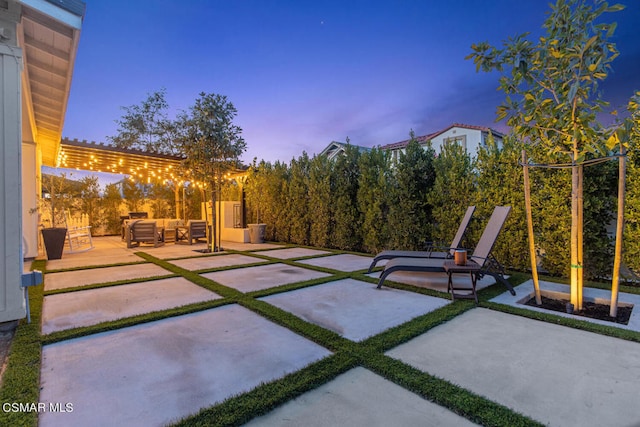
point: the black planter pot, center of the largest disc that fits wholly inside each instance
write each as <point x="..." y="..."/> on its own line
<point x="54" y="241"/>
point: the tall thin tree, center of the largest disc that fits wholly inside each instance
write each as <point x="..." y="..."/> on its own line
<point x="552" y="99"/>
<point x="211" y="144"/>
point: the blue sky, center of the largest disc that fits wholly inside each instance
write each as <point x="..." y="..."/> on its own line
<point x="303" y="73"/>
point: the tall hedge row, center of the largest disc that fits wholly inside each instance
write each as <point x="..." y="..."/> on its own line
<point x="365" y="201"/>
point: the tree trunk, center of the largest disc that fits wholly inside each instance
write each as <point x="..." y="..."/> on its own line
<point x="219" y="216"/>
<point x="176" y="198"/>
<point x="214" y="237"/>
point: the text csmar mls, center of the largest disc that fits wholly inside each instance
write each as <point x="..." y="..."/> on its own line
<point x="38" y="407"/>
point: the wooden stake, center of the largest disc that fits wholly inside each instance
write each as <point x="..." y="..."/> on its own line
<point x="577" y="303"/>
<point x="532" y="245"/>
<point x="580" y="237"/>
<point x="615" y="280"/>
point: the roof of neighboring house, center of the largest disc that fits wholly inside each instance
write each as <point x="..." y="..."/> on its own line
<point x="423" y="139"/>
<point x="472" y="127"/>
<point x="336" y="147"/>
<point x="396" y="145"/>
<point x="77" y="7"/>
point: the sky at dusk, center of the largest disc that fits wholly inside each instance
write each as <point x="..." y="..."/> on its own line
<point x="304" y="73"/>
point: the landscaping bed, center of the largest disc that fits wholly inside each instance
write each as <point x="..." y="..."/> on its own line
<point x="589" y="309"/>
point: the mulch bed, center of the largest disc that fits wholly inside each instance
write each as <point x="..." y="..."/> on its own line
<point x="589" y="309"/>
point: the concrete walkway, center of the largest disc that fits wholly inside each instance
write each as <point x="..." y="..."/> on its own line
<point x="158" y="372"/>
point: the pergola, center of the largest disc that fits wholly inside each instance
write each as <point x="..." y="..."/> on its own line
<point x="144" y="166"/>
<point x="141" y="165"/>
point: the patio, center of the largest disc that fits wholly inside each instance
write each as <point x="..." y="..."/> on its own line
<point x="173" y="331"/>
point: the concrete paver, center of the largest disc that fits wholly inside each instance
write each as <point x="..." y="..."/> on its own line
<point x="249" y="246"/>
<point x="92" y="258"/>
<point x="360" y="398"/>
<point x="158" y="372"/>
<point x="93" y="306"/>
<point x="107" y="250"/>
<point x="155" y="373"/>
<point x="356" y="310"/>
<point x="70" y="279"/>
<point x="554" y="374"/>
<point x="216" y="261"/>
<point x="263" y="276"/>
<point x="341" y="262"/>
<point x="289" y="253"/>
<point x="174" y="250"/>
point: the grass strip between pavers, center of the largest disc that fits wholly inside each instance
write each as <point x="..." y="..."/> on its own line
<point x="91" y="267"/>
<point x="313" y="332"/>
<point x="126" y="322"/>
<point x="295" y="286"/>
<point x="21" y="378"/>
<point x="232" y="267"/>
<point x="240" y="409"/>
<point x="584" y="325"/>
<point x="266" y="397"/>
<point x="108" y="284"/>
<point x="223" y="291"/>
<point x="457" y="399"/>
<point x="400" y="334"/>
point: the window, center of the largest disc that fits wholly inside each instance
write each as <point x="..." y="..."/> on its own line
<point x="461" y="139"/>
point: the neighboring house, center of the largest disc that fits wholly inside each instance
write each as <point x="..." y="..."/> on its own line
<point x="469" y="137"/>
<point x="335" y="149"/>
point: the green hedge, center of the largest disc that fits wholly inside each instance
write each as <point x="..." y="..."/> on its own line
<point x="366" y="201"/>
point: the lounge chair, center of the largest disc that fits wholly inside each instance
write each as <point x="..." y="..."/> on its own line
<point x="193" y="231"/>
<point x="433" y="253"/>
<point x="143" y="232"/>
<point x="481" y="254"/>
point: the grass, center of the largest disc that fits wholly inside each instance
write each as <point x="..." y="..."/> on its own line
<point x="22" y="376"/>
<point x="21" y="379"/>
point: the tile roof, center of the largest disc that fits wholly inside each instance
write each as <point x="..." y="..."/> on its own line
<point x="77" y="7"/>
<point x="423" y="139"/>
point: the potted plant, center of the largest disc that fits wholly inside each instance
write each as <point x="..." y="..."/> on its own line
<point x="56" y="199"/>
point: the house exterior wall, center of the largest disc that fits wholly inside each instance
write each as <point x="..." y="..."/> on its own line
<point x="470" y="139"/>
<point x="30" y="195"/>
<point x="12" y="302"/>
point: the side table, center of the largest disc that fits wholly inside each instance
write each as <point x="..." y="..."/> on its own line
<point x="471" y="267"/>
<point x="169" y="235"/>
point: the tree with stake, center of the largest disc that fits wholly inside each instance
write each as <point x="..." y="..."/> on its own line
<point x="147" y="127"/>
<point x="552" y="100"/>
<point x="210" y="143"/>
